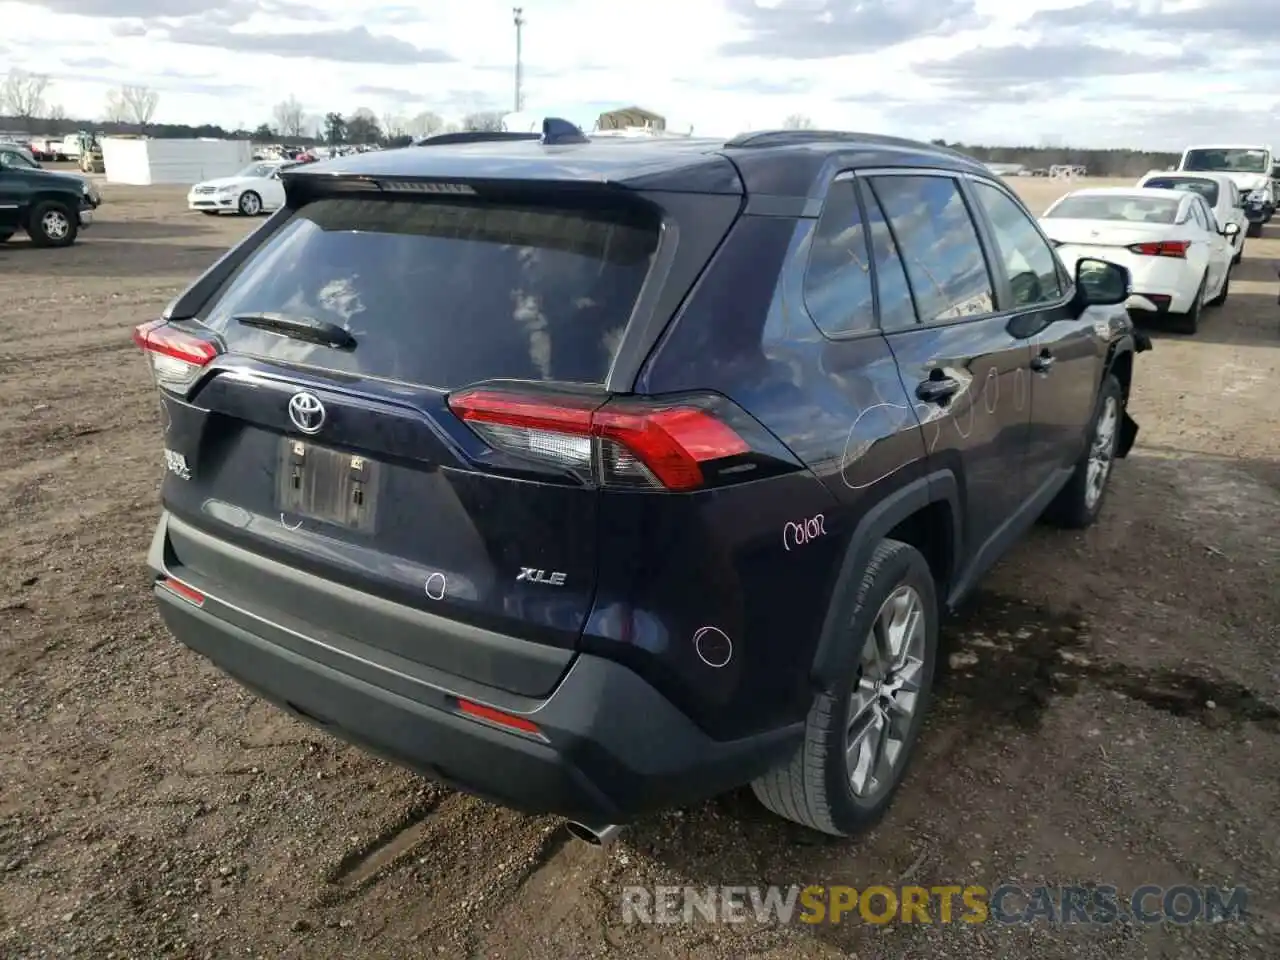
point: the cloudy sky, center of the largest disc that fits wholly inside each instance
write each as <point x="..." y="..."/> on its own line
<point x="1154" y="73"/>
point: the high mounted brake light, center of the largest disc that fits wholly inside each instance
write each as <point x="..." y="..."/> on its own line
<point x="176" y="357"/>
<point x="620" y="443"/>
<point x="1162" y="248"/>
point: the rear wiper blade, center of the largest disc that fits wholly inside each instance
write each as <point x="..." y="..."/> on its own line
<point x="300" y="328"/>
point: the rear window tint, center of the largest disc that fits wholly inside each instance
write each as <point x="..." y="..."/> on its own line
<point x="447" y="293"/>
<point x="1206" y="188"/>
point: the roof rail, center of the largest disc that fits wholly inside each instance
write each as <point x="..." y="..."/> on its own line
<point x="787" y="138"/>
<point x="473" y="136"/>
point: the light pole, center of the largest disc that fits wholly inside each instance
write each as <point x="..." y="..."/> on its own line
<point x="517" y="14"/>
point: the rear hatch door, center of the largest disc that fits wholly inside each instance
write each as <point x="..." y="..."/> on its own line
<point x="321" y="438"/>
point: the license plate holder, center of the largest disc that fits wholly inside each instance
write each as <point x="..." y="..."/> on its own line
<point x="332" y="486"/>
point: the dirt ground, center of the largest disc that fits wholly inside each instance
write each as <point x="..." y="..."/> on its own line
<point x="1109" y="713"/>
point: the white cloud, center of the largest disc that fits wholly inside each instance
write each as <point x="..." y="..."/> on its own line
<point x="981" y="71"/>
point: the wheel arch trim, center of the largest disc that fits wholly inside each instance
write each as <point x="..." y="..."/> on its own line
<point x="938" y="487"/>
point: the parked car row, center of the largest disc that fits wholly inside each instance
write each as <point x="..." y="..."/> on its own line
<point x="1178" y="235"/>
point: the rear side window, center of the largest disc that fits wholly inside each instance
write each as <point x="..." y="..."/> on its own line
<point x="939" y="246"/>
<point x="447" y="293"/>
<point x="837" y="283"/>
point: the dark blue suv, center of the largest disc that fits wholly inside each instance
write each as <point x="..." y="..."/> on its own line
<point x="600" y="477"/>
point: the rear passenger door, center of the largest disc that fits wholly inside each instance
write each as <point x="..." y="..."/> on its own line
<point x="965" y="372"/>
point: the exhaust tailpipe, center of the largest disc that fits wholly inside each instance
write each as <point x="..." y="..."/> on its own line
<point x="600" y="836"/>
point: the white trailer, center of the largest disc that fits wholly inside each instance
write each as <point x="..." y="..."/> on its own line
<point x="140" y="162"/>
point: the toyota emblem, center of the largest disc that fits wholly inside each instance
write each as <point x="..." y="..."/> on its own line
<point x="306" y="411"/>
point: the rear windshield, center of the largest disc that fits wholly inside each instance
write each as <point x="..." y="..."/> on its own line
<point x="1123" y="207"/>
<point x="1227" y="161"/>
<point x="446" y="293"/>
<point x="1206" y="188"/>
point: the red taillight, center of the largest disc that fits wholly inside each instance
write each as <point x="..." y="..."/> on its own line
<point x="176" y="357"/>
<point x="1162" y="248"/>
<point x="479" y="711"/>
<point x="626" y="443"/>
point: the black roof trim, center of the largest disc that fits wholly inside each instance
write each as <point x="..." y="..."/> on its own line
<point x="474" y="136"/>
<point x="796" y="138"/>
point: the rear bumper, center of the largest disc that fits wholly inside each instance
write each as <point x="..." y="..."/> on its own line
<point x="612" y="747"/>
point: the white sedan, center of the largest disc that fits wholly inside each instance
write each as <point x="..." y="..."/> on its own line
<point x="1177" y="256"/>
<point x="255" y="190"/>
<point x="1219" y="191"/>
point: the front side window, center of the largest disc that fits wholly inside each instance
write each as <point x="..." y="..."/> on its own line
<point x="939" y="246"/>
<point x="1029" y="261"/>
<point x="13" y="160"/>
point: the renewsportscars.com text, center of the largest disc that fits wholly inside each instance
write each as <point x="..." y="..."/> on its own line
<point x="1005" y="904"/>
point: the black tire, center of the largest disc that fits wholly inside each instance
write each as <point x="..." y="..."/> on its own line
<point x="1189" y="322"/>
<point x="814" y="788"/>
<point x="1074" y="508"/>
<point x="5" y="236"/>
<point x="1221" y="298"/>
<point x="53" y="225"/>
<point x="250" y="204"/>
<point x="1254" y="229"/>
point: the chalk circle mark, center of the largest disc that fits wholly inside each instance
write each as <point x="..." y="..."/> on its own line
<point x="436" y="586"/>
<point x="713" y="646"/>
<point x="991" y="391"/>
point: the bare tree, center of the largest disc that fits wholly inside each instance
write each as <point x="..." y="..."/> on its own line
<point x="392" y="125"/>
<point x="115" y="109"/>
<point x="290" y="118"/>
<point x="140" y="104"/>
<point x="483" y="120"/>
<point x="22" y="94"/>
<point x="425" y="124"/>
<point x="798" y="121"/>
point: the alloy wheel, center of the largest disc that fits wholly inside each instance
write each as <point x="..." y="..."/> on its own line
<point x="886" y="693"/>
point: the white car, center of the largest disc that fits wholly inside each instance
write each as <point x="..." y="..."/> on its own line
<point x="1220" y="193"/>
<point x="1178" y="258"/>
<point x="255" y="190"/>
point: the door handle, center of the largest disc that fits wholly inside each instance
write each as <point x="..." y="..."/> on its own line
<point x="938" y="390"/>
<point x="1043" y="363"/>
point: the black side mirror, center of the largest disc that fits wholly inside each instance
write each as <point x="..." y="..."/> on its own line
<point x="1100" y="283"/>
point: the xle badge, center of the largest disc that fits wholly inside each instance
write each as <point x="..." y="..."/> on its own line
<point x="532" y="575"/>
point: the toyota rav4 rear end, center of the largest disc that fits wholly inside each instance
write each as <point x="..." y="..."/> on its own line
<point x="411" y="496"/>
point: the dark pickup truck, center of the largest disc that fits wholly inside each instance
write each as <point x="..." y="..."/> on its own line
<point x="51" y="207"/>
